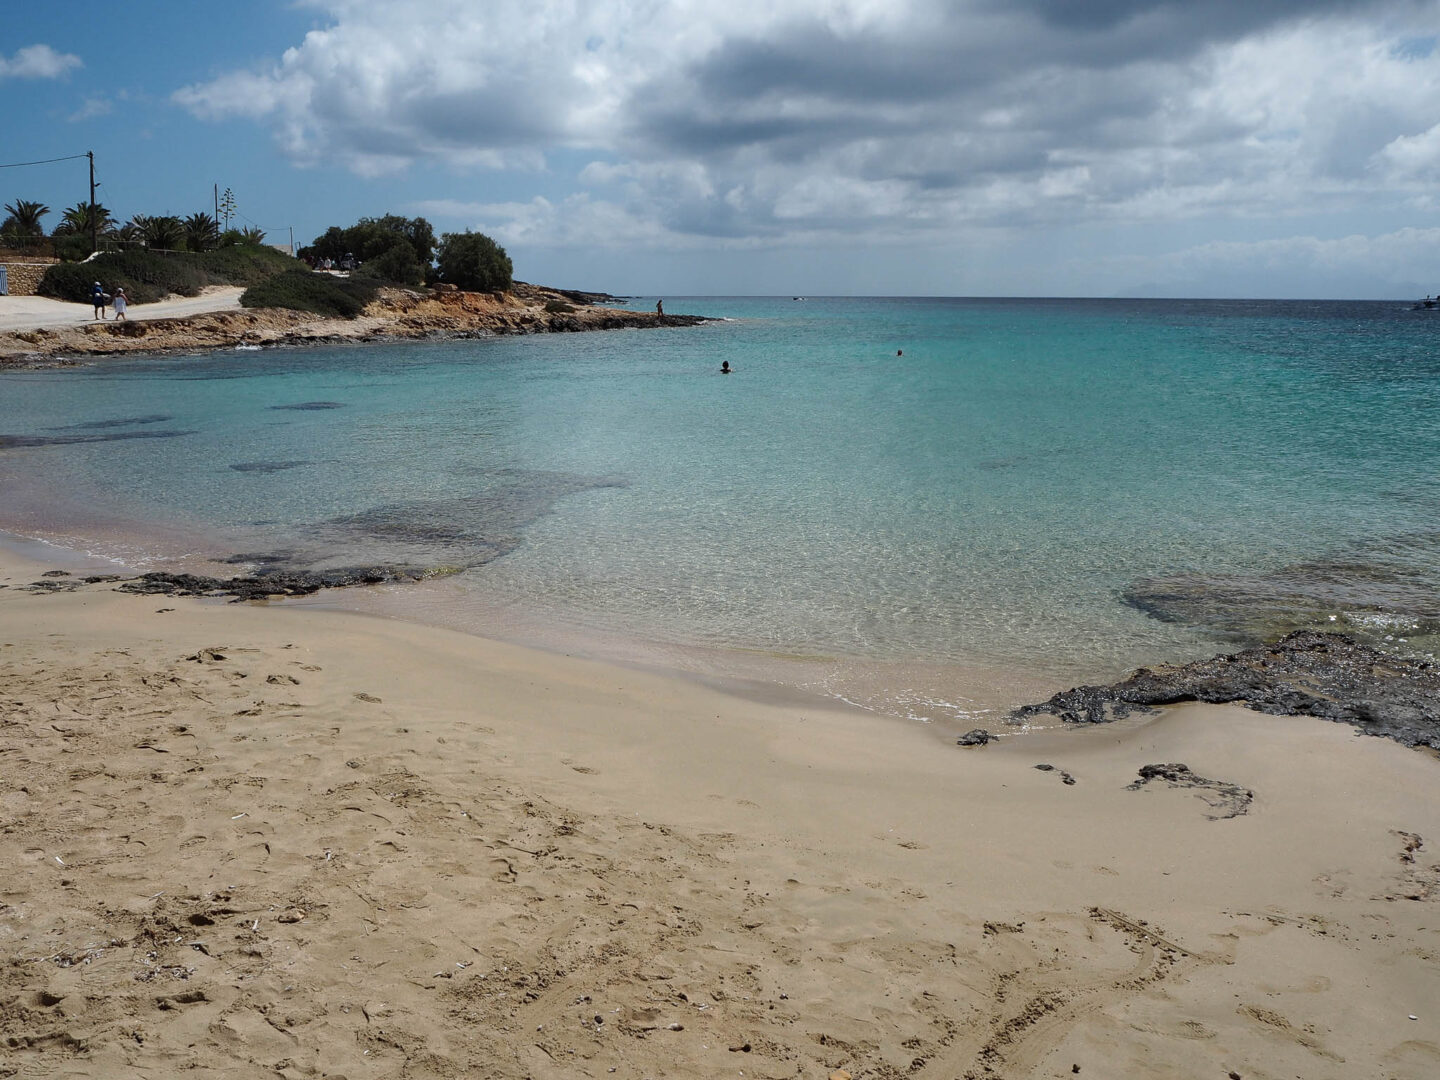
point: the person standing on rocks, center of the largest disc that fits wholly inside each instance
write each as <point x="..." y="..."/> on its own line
<point x="660" y="307"/>
<point x="98" y="298"/>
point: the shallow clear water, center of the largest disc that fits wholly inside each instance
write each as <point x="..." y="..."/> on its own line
<point x="1016" y="490"/>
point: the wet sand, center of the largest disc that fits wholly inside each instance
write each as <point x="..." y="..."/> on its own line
<point x="247" y="840"/>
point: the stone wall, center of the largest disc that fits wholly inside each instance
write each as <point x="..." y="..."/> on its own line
<point x="24" y="277"/>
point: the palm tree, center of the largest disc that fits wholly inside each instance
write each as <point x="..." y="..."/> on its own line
<point x="76" y="221"/>
<point x="201" y="232"/>
<point x="252" y="234"/>
<point x="132" y="233"/>
<point x="22" y="228"/>
<point x="164" y="231"/>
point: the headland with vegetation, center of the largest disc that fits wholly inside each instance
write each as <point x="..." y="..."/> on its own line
<point x="382" y="278"/>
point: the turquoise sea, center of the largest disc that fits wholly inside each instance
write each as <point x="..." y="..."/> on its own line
<point x="1036" y="493"/>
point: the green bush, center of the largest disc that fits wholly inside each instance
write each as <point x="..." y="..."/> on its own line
<point x="245" y="264"/>
<point x="397" y="264"/>
<point x="370" y="238"/>
<point x="474" y="262"/>
<point x="305" y="290"/>
<point x="71" y="247"/>
<point x="147" y="276"/>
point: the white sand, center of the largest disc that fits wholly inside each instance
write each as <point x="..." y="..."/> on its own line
<point x="339" y="846"/>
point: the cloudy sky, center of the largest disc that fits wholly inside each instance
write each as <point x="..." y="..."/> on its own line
<point x="915" y="147"/>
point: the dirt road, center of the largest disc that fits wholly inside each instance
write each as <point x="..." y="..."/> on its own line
<point x="35" y="312"/>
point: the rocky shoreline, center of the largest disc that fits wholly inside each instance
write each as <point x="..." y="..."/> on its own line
<point x="1306" y="673"/>
<point x="395" y="315"/>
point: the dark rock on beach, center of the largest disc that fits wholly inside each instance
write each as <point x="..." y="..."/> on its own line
<point x="267" y="583"/>
<point x="58" y="581"/>
<point x="1065" y="777"/>
<point x="1307" y="673"/>
<point x="1225" y="800"/>
<point x="978" y="737"/>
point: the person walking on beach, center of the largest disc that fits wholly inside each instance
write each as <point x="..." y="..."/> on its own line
<point x="120" y="305"/>
<point x="97" y="297"/>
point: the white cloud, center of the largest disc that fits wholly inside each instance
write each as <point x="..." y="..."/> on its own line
<point x="767" y="120"/>
<point x="38" y="62"/>
<point x="578" y="221"/>
<point x="92" y="108"/>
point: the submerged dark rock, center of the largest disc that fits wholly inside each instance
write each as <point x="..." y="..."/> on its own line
<point x="312" y="406"/>
<point x="1372" y="591"/>
<point x="267" y="466"/>
<point x="14" y="441"/>
<point x="1307" y="673"/>
<point x="100" y="425"/>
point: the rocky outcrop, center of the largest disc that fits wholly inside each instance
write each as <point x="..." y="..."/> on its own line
<point x="396" y="314"/>
<point x="1306" y="673"/>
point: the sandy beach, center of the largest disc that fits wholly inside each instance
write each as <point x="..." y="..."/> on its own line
<point x="242" y="840"/>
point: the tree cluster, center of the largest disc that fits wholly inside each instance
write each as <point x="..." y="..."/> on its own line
<point x="391" y="248"/>
<point x="404" y="250"/>
<point x="474" y="262"/>
<point x="83" y="223"/>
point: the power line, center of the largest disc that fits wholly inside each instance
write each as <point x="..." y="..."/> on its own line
<point x="267" y="228"/>
<point x="47" y="161"/>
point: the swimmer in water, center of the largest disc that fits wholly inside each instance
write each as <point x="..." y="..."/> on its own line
<point x="724" y="367"/>
<point x="899" y="352"/>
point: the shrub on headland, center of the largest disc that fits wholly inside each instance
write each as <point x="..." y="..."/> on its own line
<point x="474" y="262"/>
<point x="397" y="264"/>
<point x="391" y="248"/>
<point x="245" y="264"/>
<point x="305" y="290"/>
<point x="147" y="276"/>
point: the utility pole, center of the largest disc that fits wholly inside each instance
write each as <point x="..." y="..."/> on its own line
<point x="217" y="213"/>
<point x="94" y="214"/>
